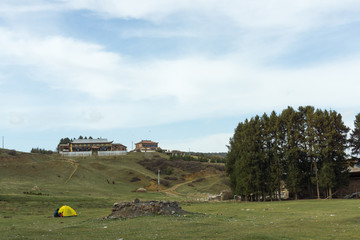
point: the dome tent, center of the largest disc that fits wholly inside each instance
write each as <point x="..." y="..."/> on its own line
<point x="65" y="211"/>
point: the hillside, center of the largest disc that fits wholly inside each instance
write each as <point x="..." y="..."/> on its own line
<point x="111" y="177"/>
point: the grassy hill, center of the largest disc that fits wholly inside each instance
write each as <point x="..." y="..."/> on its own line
<point x="107" y="177"/>
<point x="32" y="186"/>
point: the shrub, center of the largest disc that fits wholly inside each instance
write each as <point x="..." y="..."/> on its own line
<point x="169" y="170"/>
<point x="135" y="179"/>
<point x="12" y="152"/>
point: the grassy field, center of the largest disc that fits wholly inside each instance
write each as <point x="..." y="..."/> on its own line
<point x="29" y="218"/>
<point x="32" y="186"/>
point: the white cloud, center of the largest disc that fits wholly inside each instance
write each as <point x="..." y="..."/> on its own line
<point x="11" y="7"/>
<point x="247" y="13"/>
<point x="116" y="91"/>
<point x="65" y="63"/>
<point x="122" y="93"/>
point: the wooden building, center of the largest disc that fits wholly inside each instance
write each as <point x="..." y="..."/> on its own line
<point x="146" y="146"/>
<point x="354" y="183"/>
<point x="91" y="146"/>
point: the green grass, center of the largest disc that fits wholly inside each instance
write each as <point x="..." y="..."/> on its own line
<point x="29" y="216"/>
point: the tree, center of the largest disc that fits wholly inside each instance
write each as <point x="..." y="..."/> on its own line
<point x="334" y="172"/>
<point x="233" y="157"/>
<point x="306" y="149"/>
<point x="293" y="156"/>
<point x="355" y="138"/>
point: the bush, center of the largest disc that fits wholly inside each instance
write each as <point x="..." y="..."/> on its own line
<point x="169" y="170"/>
<point x="12" y="152"/>
<point x="42" y="151"/>
<point x="165" y="183"/>
<point x="171" y="178"/>
<point x="135" y="179"/>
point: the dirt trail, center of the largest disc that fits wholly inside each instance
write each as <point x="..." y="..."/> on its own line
<point x="75" y="165"/>
<point x="172" y="190"/>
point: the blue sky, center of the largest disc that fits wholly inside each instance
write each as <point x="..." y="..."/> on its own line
<point x="183" y="73"/>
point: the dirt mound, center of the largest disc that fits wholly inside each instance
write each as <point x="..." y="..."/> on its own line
<point x="137" y="209"/>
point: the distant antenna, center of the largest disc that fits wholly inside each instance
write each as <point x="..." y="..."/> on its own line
<point x="3" y="140"/>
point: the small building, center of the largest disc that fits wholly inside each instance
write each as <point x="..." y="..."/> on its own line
<point x="89" y="147"/>
<point x="146" y="146"/>
<point x="118" y="147"/>
<point x="354" y="182"/>
<point x="177" y="153"/>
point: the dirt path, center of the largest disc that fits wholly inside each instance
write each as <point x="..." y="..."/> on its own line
<point x="172" y="190"/>
<point x="75" y="165"/>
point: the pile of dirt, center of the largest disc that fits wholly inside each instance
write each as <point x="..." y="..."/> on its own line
<point x="137" y="209"/>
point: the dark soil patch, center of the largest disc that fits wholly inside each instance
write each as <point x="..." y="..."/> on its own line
<point x="135" y="179"/>
<point x="198" y="180"/>
<point x="165" y="182"/>
<point x="171" y="178"/>
<point x="157" y="163"/>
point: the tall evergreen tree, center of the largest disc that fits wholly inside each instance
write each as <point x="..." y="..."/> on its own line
<point x="292" y="152"/>
<point x="306" y="149"/>
<point x="355" y="138"/>
<point x="334" y="172"/>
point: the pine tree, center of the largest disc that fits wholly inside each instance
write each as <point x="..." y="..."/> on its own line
<point x="334" y="172"/>
<point x="292" y="153"/>
<point x="355" y="138"/>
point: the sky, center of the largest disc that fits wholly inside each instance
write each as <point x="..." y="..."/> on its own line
<point x="181" y="73"/>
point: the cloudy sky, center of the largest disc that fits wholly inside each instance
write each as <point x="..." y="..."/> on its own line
<point x="182" y="73"/>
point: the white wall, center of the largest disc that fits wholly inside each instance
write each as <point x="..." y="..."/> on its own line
<point x="88" y="154"/>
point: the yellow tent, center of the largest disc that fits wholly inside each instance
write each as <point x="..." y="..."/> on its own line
<point x="66" y="211"/>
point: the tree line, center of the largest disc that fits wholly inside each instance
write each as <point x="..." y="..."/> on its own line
<point x="306" y="149"/>
<point x="199" y="157"/>
<point x="69" y="140"/>
<point x="41" y="150"/>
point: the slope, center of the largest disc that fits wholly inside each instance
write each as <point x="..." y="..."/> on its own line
<point x="106" y="177"/>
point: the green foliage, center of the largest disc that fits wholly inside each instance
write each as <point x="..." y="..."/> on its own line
<point x="200" y="157"/>
<point x="65" y="140"/>
<point x="355" y="138"/>
<point x="169" y="170"/>
<point x="306" y="149"/>
<point x="40" y="150"/>
<point x="159" y="150"/>
<point x="12" y="152"/>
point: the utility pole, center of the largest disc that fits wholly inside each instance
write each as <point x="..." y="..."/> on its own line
<point x="3" y="139"/>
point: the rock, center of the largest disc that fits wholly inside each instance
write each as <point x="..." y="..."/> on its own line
<point x="141" y="190"/>
<point x="138" y="208"/>
<point x="214" y="198"/>
<point x="226" y="195"/>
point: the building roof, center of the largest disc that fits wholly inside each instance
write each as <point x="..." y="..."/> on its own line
<point x="118" y="144"/>
<point x="88" y="141"/>
<point x="146" y="141"/>
<point x="354" y="169"/>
